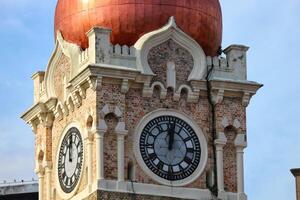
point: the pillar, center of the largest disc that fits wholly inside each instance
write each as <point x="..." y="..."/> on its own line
<point x="240" y="144"/>
<point x="89" y="142"/>
<point x="99" y="137"/>
<point x="296" y="173"/>
<point x="121" y="133"/>
<point x="48" y="170"/>
<point x="40" y="172"/>
<point x="220" y="142"/>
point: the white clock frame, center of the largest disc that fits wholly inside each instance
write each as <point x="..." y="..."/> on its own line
<point x="204" y="152"/>
<point x="61" y="193"/>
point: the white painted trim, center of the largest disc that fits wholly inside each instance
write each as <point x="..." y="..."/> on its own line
<point x="152" y="190"/>
<point x="49" y="75"/>
<point x="83" y="133"/>
<point x="147" y="118"/>
<point x="170" y="31"/>
<point x="156" y="190"/>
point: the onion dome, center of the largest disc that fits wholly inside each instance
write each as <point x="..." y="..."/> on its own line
<point x="130" y="19"/>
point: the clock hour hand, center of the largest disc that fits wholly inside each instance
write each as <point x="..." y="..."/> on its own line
<point x="171" y="135"/>
<point x="70" y="149"/>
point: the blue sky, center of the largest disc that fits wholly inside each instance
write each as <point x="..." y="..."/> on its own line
<point x="270" y="27"/>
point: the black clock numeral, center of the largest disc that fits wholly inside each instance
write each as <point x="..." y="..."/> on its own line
<point x="188" y="160"/>
<point x="152" y="156"/>
<point x="150" y="146"/>
<point x="160" y="165"/>
<point x="190" y="150"/>
<point x="187" y="139"/>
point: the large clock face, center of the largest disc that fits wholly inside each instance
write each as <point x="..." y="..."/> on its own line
<point x="70" y="160"/>
<point x="170" y="148"/>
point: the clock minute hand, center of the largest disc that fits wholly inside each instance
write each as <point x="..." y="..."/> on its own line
<point x="171" y="136"/>
<point x="70" y="149"/>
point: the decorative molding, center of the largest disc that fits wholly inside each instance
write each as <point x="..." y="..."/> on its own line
<point x="242" y="196"/>
<point x="225" y="122"/>
<point x="163" y="90"/>
<point x="192" y="97"/>
<point x="120" y="129"/>
<point x="147" y="90"/>
<point x="240" y="141"/>
<point x="218" y="96"/>
<point x="125" y="86"/>
<point x="118" y="112"/>
<point x="77" y="98"/>
<point x="221" y="140"/>
<point x="170" y="31"/>
<point x="102" y="127"/>
<point x="105" y="110"/>
<point x="236" y="124"/>
<point x="246" y="99"/>
<point x="95" y="82"/>
<point x="82" y="91"/>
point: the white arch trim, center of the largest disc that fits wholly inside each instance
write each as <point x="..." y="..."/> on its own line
<point x="170" y="31"/>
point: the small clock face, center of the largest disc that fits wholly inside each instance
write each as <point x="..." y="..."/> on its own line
<point x="170" y="148"/>
<point x="70" y="160"/>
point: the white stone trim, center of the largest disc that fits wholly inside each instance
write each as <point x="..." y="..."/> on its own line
<point x="197" y="130"/>
<point x="220" y="142"/>
<point x="163" y="90"/>
<point x="240" y="143"/>
<point x="157" y="190"/>
<point x="152" y="190"/>
<point x="83" y="133"/>
<point x="170" y="31"/>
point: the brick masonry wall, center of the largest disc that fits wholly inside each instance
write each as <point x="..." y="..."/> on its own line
<point x="232" y="109"/>
<point x="62" y="71"/>
<point x="170" y="51"/>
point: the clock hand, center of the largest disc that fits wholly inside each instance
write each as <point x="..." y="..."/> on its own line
<point x="70" y="149"/>
<point x="171" y="136"/>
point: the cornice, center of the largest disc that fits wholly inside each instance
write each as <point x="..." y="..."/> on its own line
<point x="41" y="112"/>
<point x="236" y="86"/>
<point x="32" y="112"/>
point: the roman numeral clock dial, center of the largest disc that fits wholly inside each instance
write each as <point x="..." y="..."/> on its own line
<point x="70" y="160"/>
<point x="170" y="148"/>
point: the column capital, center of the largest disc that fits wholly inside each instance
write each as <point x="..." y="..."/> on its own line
<point x="40" y="172"/>
<point x="47" y="165"/>
<point x="221" y="140"/>
<point x="242" y="196"/>
<point x="120" y="129"/>
<point x="240" y="142"/>
<point x="90" y="137"/>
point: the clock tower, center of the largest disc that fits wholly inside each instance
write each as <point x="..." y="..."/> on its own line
<point x="140" y="102"/>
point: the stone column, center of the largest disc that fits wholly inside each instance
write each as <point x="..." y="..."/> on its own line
<point x="89" y="142"/>
<point x="220" y="142"/>
<point x="296" y="173"/>
<point x="121" y="133"/>
<point x="48" y="170"/>
<point x="99" y="137"/>
<point x="40" y="172"/>
<point x="240" y="144"/>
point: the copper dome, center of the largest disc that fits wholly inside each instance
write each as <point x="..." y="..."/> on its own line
<point x="130" y="19"/>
